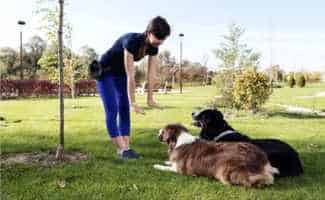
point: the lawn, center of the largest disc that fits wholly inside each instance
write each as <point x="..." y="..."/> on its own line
<point x="103" y="176"/>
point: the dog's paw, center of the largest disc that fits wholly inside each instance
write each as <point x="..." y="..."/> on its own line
<point x="156" y="166"/>
<point x="168" y="163"/>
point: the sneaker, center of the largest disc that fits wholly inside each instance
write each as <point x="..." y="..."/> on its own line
<point x="129" y="154"/>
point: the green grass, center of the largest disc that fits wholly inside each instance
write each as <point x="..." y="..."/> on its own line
<point x="295" y="96"/>
<point x="103" y="176"/>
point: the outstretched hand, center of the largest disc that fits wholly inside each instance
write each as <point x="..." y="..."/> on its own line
<point x="137" y="109"/>
<point x="153" y="104"/>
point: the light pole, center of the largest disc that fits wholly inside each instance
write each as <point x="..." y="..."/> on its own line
<point x="21" y="24"/>
<point x="181" y="35"/>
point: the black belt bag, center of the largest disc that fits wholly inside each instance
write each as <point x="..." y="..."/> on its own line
<point x="96" y="70"/>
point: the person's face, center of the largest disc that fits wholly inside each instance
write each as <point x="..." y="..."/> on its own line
<point x="154" y="41"/>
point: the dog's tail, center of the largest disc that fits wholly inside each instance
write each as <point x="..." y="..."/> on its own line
<point x="264" y="178"/>
<point x="243" y="176"/>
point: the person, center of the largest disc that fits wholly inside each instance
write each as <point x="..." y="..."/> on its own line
<point x="117" y="85"/>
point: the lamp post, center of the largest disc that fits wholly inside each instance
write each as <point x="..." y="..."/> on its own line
<point x="181" y="35"/>
<point x="21" y="24"/>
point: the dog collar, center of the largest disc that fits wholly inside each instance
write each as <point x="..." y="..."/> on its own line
<point x="223" y="134"/>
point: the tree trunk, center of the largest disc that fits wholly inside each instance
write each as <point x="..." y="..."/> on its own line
<point x="21" y="57"/>
<point x="60" y="148"/>
<point x="72" y="83"/>
<point x="0" y="85"/>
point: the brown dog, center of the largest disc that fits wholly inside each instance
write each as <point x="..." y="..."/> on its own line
<point x="231" y="163"/>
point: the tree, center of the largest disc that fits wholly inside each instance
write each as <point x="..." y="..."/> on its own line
<point x="49" y="23"/>
<point x="48" y="13"/>
<point x="167" y="68"/>
<point x="8" y="58"/>
<point x="86" y="56"/>
<point x="234" y="54"/>
<point x="275" y="73"/>
<point x="53" y="24"/>
<point x="60" y="149"/>
<point x="49" y="62"/>
<point x="234" y="57"/>
<point x="35" y="48"/>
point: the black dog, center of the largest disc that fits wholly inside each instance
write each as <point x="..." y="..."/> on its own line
<point x="280" y="154"/>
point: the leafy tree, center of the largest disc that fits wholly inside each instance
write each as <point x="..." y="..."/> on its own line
<point x="8" y="58"/>
<point x="34" y="49"/>
<point x="232" y="53"/>
<point x="237" y="61"/>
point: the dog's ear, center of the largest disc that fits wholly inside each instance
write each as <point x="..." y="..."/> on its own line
<point x="164" y="135"/>
<point x="171" y="142"/>
<point x="168" y="133"/>
<point x="171" y="138"/>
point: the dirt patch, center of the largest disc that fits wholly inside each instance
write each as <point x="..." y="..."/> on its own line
<point x="46" y="159"/>
<point x="303" y="110"/>
<point x="319" y="94"/>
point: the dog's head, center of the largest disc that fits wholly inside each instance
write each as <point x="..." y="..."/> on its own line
<point x="170" y="133"/>
<point x="207" y="118"/>
<point x="211" y="122"/>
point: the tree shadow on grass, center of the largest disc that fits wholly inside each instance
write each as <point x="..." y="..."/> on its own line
<point x="314" y="173"/>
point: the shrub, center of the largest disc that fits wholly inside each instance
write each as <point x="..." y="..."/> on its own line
<point x="242" y="89"/>
<point x="86" y="88"/>
<point x="291" y="81"/>
<point x="251" y="90"/>
<point x="301" y="81"/>
<point x="43" y="88"/>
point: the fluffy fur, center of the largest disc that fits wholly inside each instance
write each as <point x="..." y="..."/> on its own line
<point x="231" y="163"/>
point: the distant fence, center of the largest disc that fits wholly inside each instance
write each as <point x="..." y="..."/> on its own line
<point x="43" y="88"/>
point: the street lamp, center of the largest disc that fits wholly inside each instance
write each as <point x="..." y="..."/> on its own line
<point x="181" y="35"/>
<point x="21" y="24"/>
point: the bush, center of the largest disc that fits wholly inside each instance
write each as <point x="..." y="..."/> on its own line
<point x="312" y="77"/>
<point x="43" y="88"/>
<point x="8" y="89"/>
<point x="251" y="90"/>
<point x="291" y="81"/>
<point x="242" y="89"/>
<point x="301" y="81"/>
<point x="85" y="88"/>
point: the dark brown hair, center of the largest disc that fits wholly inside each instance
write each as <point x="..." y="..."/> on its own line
<point x="159" y="27"/>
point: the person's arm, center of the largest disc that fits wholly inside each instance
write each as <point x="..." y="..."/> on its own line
<point x="152" y="64"/>
<point x="129" y="69"/>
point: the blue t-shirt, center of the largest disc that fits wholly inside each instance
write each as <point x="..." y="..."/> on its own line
<point x="114" y="57"/>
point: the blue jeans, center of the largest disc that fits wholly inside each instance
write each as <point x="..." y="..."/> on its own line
<point x="114" y="95"/>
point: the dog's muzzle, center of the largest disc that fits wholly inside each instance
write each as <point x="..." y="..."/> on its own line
<point x="197" y="123"/>
<point x="160" y="135"/>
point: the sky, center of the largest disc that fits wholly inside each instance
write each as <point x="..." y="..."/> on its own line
<point x="290" y="33"/>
